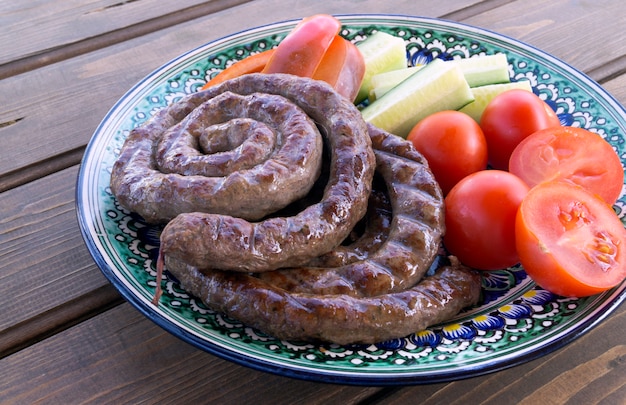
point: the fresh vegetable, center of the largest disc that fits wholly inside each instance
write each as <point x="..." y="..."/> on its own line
<point x="302" y="50"/>
<point x="484" y="69"/>
<point x="478" y="71"/>
<point x="251" y="64"/>
<point x="573" y="154"/>
<point x="381" y="52"/>
<point x="437" y="86"/>
<point x="381" y="83"/>
<point x="312" y="49"/>
<point x="453" y="144"/>
<point x="509" y="118"/>
<point x="570" y="241"/>
<point x="480" y="219"/>
<point x="343" y="67"/>
<point x="484" y="94"/>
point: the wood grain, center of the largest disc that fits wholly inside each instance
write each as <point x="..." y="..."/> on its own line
<point x="122" y="357"/>
<point x="85" y="88"/>
<point x="66" y="336"/>
<point x="561" y="28"/>
<point x="51" y="31"/>
<point x="43" y="259"/>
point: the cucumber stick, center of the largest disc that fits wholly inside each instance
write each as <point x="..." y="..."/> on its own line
<point x="484" y="69"/>
<point x="478" y="71"/>
<point x="437" y="86"/>
<point x="383" y="82"/>
<point x="381" y="52"/>
<point x="484" y="94"/>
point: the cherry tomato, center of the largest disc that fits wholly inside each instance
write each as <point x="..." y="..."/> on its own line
<point x="569" y="240"/>
<point x="573" y="154"/>
<point x="480" y="219"/>
<point x="509" y="118"/>
<point x="453" y="144"/>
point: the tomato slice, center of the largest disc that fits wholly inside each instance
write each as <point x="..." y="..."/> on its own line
<point x="302" y="50"/>
<point x="573" y="154"/>
<point x="343" y="67"/>
<point x="569" y="240"/>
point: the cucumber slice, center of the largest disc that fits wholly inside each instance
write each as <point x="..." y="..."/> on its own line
<point x="484" y="69"/>
<point x="437" y="86"/>
<point x="381" y="52"/>
<point x="383" y="82"/>
<point x="484" y="94"/>
<point x="478" y="71"/>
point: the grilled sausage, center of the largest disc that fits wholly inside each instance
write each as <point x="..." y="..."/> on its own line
<point x="145" y="178"/>
<point x="232" y="243"/>
<point x="391" y="258"/>
<point x="340" y="319"/>
<point x="372" y="289"/>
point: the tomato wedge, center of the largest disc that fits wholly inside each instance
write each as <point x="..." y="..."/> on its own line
<point x="573" y="154"/>
<point x="303" y="48"/>
<point x="569" y="240"/>
<point x="343" y="67"/>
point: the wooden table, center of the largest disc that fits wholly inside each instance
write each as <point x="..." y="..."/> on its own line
<point x="67" y="336"/>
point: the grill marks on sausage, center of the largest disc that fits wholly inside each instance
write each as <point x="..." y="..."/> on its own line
<point x="291" y="276"/>
<point x="362" y="296"/>
<point x="162" y="170"/>
<point x="411" y="240"/>
<point x="294" y="240"/>
<point x="341" y="319"/>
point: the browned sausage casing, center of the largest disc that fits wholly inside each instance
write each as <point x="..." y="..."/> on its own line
<point x="231" y="243"/>
<point x="394" y="257"/>
<point x="340" y="319"/>
<point x="147" y="179"/>
<point x="372" y="290"/>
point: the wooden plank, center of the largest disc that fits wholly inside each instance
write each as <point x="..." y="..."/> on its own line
<point x="34" y="27"/>
<point x="588" y="35"/>
<point x="589" y="370"/>
<point x="43" y="259"/>
<point x="617" y="88"/>
<point x="32" y="127"/>
<point x="64" y="315"/>
<point x="84" y="89"/>
<point x="116" y="357"/>
<point x="122" y="357"/>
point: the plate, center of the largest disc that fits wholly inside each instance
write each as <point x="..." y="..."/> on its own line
<point x="516" y="321"/>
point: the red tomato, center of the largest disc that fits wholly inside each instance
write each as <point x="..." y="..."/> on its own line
<point x="573" y="154"/>
<point x="302" y="50"/>
<point x="453" y="144"/>
<point x="480" y="219"/>
<point x="509" y="118"/>
<point x="569" y="240"/>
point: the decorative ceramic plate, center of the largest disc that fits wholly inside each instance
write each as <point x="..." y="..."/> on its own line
<point x="515" y="322"/>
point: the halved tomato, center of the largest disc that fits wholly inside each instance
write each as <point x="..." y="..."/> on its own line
<point x="569" y="240"/>
<point x="573" y="154"/>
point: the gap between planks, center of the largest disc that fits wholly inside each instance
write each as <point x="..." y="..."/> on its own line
<point x="58" y="319"/>
<point x="41" y="169"/>
<point x="57" y="54"/>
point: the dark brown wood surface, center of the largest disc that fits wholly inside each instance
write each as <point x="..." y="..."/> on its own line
<point x="67" y="336"/>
